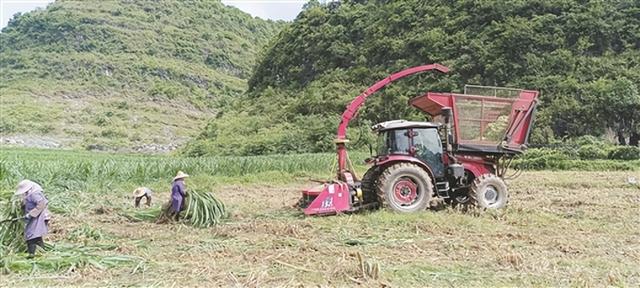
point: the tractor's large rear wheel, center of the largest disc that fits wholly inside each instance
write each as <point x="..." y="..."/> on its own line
<point x="489" y="191"/>
<point x="369" y="185"/>
<point x="404" y="188"/>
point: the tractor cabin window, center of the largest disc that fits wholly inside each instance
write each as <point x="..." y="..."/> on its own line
<point x="393" y="142"/>
<point x="428" y="147"/>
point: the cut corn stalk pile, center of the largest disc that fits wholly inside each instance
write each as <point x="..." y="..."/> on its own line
<point x="202" y="209"/>
<point x="141" y="215"/>
<point x="66" y="257"/>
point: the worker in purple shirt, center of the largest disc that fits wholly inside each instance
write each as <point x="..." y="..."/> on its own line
<point x="36" y="214"/>
<point x="178" y="191"/>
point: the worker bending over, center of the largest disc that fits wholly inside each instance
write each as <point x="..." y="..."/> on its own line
<point x="36" y="214"/>
<point x="142" y="192"/>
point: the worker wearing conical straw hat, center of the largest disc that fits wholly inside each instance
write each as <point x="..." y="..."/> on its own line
<point x="178" y="191"/>
<point x="142" y="192"/>
<point x="36" y="214"/>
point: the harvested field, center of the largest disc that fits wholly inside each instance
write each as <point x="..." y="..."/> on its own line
<point x="560" y="229"/>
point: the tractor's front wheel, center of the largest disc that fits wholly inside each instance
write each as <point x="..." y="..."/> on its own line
<point x="489" y="191"/>
<point x="404" y="188"/>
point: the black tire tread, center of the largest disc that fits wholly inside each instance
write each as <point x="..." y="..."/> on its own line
<point x="369" y="184"/>
<point x="385" y="177"/>
<point x="488" y="178"/>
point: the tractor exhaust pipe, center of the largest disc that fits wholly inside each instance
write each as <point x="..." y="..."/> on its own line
<point x="448" y="139"/>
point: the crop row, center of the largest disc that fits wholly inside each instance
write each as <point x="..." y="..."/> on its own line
<point x="79" y="168"/>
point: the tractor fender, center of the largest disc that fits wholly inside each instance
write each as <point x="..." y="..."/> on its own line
<point x="392" y="159"/>
<point x="477" y="169"/>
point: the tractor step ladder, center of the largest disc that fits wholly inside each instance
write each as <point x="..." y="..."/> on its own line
<point x="443" y="188"/>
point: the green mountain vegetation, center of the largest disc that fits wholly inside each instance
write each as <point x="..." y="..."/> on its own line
<point x="584" y="57"/>
<point x="123" y="73"/>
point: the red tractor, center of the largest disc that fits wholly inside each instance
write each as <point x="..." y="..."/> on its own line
<point x="462" y="157"/>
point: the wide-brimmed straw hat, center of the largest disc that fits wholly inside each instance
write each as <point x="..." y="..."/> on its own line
<point x="24" y="186"/>
<point x="180" y="175"/>
<point x="138" y="192"/>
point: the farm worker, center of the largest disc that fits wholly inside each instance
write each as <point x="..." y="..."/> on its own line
<point x="36" y="214"/>
<point x="142" y="192"/>
<point x="178" y="191"/>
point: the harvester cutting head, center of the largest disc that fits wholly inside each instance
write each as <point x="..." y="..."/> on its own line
<point x="461" y="157"/>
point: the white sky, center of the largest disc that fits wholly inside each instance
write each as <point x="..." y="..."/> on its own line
<point x="266" y="9"/>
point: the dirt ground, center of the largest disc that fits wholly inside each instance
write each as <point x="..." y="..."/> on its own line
<point x="559" y="229"/>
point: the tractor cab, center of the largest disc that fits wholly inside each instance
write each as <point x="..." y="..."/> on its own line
<point x="419" y="140"/>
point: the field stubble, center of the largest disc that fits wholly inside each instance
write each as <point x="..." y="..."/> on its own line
<point x="560" y="229"/>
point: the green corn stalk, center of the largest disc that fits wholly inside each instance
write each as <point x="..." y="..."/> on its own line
<point x="202" y="209"/>
<point x="140" y="215"/>
<point x="65" y="257"/>
<point x="86" y="232"/>
<point x="12" y="232"/>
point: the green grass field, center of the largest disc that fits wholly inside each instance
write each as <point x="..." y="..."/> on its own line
<point x="560" y="228"/>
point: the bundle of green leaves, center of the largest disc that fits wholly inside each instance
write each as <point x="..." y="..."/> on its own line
<point x="12" y="231"/>
<point x="202" y="209"/>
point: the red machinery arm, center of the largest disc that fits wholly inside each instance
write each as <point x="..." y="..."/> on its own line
<point x="353" y="107"/>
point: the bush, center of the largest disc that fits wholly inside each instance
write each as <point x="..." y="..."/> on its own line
<point x="625" y="153"/>
<point x="545" y="153"/>
<point x="591" y="151"/>
<point x="576" y="165"/>
<point x="589" y="140"/>
<point x="593" y="158"/>
<point x="538" y="159"/>
<point x="197" y="148"/>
